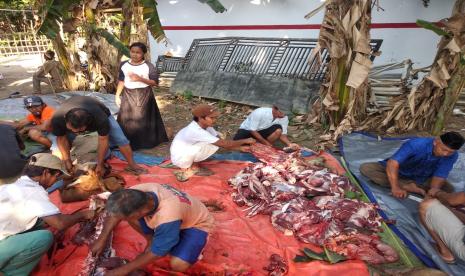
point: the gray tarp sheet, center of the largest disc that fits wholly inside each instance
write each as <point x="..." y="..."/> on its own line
<point x="13" y="109"/>
<point x="358" y="148"/>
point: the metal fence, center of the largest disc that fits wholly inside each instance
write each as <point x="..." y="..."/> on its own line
<point x="27" y="43"/>
<point x="169" y="64"/>
<point x="259" y="56"/>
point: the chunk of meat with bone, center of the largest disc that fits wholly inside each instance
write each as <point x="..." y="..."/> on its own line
<point x="89" y="232"/>
<point x="362" y="247"/>
<point x="277" y="266"/>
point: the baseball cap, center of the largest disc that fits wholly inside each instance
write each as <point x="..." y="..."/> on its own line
<point x="47" y="160"/>
<point x="33" y="101"/>
<point x="203" y="110"/>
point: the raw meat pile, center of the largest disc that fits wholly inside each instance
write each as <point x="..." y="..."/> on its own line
<point x="307" y="200"/>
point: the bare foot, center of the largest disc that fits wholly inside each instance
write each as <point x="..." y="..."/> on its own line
<point x="445" y="253"/>
<point x="413" y="188"/>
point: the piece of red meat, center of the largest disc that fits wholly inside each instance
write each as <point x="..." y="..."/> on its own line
<point x="312" y="233"/>
<point x="363" y="247"/>
<point x="277" y="266"/>
<point x="267" y="154"/>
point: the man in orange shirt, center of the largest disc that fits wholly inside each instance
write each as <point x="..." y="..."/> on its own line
<point x="37" y="123"/>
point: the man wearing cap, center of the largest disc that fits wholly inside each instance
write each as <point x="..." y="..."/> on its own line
<point x="198" y="141"/>
<point x="51" y="67"/>
<point x="81" y="114"/>
<point x="25" y="208"/>
<point x="419" y="166"/>
<point x="266" y="125"/>
<point x="37" y="123"/>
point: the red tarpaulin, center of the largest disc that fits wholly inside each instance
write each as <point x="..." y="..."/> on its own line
<point x="237" y="244"/>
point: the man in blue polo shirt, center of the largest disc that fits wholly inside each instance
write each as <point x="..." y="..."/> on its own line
<point x="419" y="166"/>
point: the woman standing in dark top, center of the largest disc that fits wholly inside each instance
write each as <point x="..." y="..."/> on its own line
<point x="139" y="116"/>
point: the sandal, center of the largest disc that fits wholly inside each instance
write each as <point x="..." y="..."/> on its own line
<point x="135" y="171"/>
<point x="181" y="176"/>
<point x="202" y="171"/>
<point x="168" y="165"/>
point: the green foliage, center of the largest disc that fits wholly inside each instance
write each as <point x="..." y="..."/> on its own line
<point x="333" y="257"/>
<point x="113" y="40"/>
<point x="432" y="27"/>
<point x="150" y="14"/>
<point x="187" y="95"/>
<point x="352" y="195"/>
<point x="16" y="4"/>
<point x="52" y="13"/>
<point x="215" y="5"/>
<point x="301" y="259"/>
<point x="221" y="104"/>
<point x="327" y="255"/>
<point x="313" y="255"/>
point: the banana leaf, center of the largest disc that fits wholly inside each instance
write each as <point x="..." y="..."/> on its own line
<point x="313" y="255"/>
<point x="51" y="14"/>
<point x="432" y="27"/>
<point x="407" y="258"/>
<point x="333" y="257"/>
<point x="301" y="259"/>
<point x="150" y="14"/>
<point x="113" y="40"/>
<point x="215" y="5"/>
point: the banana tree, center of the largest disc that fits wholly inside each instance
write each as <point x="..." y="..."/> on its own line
<point x="345" y="35"/>
<point x="105" y="43"/>
<point x="430" y="103"/>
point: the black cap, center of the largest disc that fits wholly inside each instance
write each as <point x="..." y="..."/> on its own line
<point x="33" y="101"/>
<point x="452" y="140"/>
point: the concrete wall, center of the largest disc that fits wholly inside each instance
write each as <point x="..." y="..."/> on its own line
<point x="185" y="20"/>
<point x="289" y="94"/>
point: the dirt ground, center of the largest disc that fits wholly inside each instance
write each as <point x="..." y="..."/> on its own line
<point x="176" y="109"/>
<point x="17" y="75"/>
<point x="176" y="113"/>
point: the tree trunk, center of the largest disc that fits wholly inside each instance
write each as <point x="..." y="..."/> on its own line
<point x="430" y="104"/>
<point x="451" y="96"/>
<point x="345" y="34"/>
<point x="457" y="80"/>
<point x="125" y="34"/>
<point x="69" y="78"/>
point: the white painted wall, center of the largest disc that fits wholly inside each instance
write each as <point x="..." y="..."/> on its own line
<point x="399" y="44"/>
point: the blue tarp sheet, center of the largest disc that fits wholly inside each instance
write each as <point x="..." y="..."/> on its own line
<point x="359" y="148"/>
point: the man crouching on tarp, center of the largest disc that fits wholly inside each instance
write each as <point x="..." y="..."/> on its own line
<point x="173" y="223"/>
<point x="445" y="224"/>
<point x="198" y="141"/>
<point x="425" y="161"/>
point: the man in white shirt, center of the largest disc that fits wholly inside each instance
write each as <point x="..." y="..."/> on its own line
<point x="266" y="125"/>
<point x="24" y="207"/>
<point x="198" y="141"/>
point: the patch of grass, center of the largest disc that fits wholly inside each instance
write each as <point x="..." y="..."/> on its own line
<point x="187" y="95"/>
<point x="221" y="104"/>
